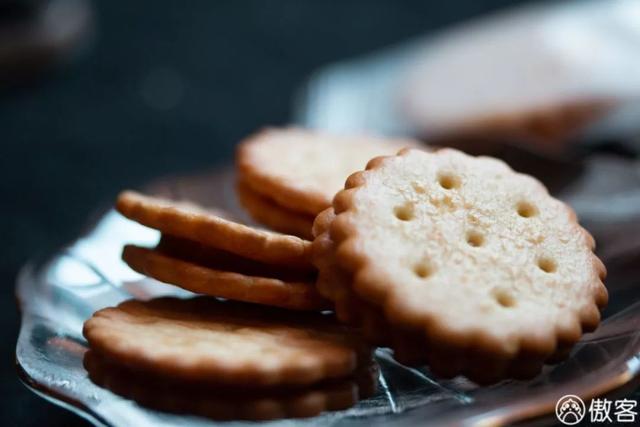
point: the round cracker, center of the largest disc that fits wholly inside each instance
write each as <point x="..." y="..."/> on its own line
<point x="334" y="283"/>
<point x="222" y="403"/>
<point x="302" y="170"/>
<point x="276" y="217"/>
<point x="477" y="257"/>
<point x="206" y="341"/>
<point x="223" y="284"/>
<point x="197" y="224"/>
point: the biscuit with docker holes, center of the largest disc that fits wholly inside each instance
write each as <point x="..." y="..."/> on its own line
<point x="302" y="170"/>
<point x="334" y="283"/>
<point x="270" y="214"/>
<point x="209" y="342"/>
<point x="233" y="285"/>
<point x="225" y="403"/>
<point x="495" y="273"/>
<point x="193" y="222"/>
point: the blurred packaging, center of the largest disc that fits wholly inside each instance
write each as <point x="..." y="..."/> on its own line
<point x="542" y="76"/>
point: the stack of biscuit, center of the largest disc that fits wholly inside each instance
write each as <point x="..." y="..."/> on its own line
<point x="288" y="176"/>
<point x="452" y="261"/>
<point x="223" y="359"/>
<point x="227" y="360"/>
<point x="202" y="251"/>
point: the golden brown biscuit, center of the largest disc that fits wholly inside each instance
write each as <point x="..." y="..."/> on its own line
<point x="192" y="222"/>
<point x="480" y="260"/>
<point x="270" y="214"/>
<point x="224" y="403"/>
<point x="202" y="340"/>
<point x="334" y="283"/>
<point x="302" y="170"/>
<point x="295" y="295"/>
<point x="216" y="259"/>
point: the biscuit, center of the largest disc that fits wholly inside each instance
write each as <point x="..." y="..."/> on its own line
<point x="295" y="295"/>
<point x="222" y="403"/>
<point x="495" y="273"/>
<point x="302" y="170"/>
<point x="334" y="283"/>
<point x="268" y="213"/>
<point x="216" y="259"/>
<point x="205" y="341"/>
<point x="197" y="224"/>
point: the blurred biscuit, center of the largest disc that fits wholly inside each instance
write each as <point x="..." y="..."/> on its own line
<point x="276" y="217"/>
<point x="296" y="295"/>
<point x="205" y="341"/>
<point x="195" y="223"/>
<point x="302" y="170"/>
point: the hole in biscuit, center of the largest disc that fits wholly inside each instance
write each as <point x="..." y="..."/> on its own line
<point x="504" y="298"/>
<point x="475" y="239"/>
<point x="404" y="212"/>
<point x="547" y="265"/>
<point x="526" y="210"/>
<point x="448" y="181"/>
<point x="422" y="270"/>
<point x="418" y="188"/>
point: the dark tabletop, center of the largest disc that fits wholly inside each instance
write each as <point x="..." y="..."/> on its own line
<point x="73" y="138"/>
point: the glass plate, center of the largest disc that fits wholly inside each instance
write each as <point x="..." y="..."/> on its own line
<point x="58" y="294"/>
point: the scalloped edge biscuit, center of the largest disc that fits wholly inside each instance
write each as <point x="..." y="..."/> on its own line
<point x="373" y="280"/>
<point x="333" y="283"/>
<point x="223" y="284"/>
<point x="197" y="224"/>
<point x="301" y="170"/>
<point x="208" y="342"/>
<point x="223" y="403"/>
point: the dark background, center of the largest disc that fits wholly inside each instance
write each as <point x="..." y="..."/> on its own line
<point x="73" y="138"/>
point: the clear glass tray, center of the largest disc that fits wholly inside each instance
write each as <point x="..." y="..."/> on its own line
<point x="57" y="294"/>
